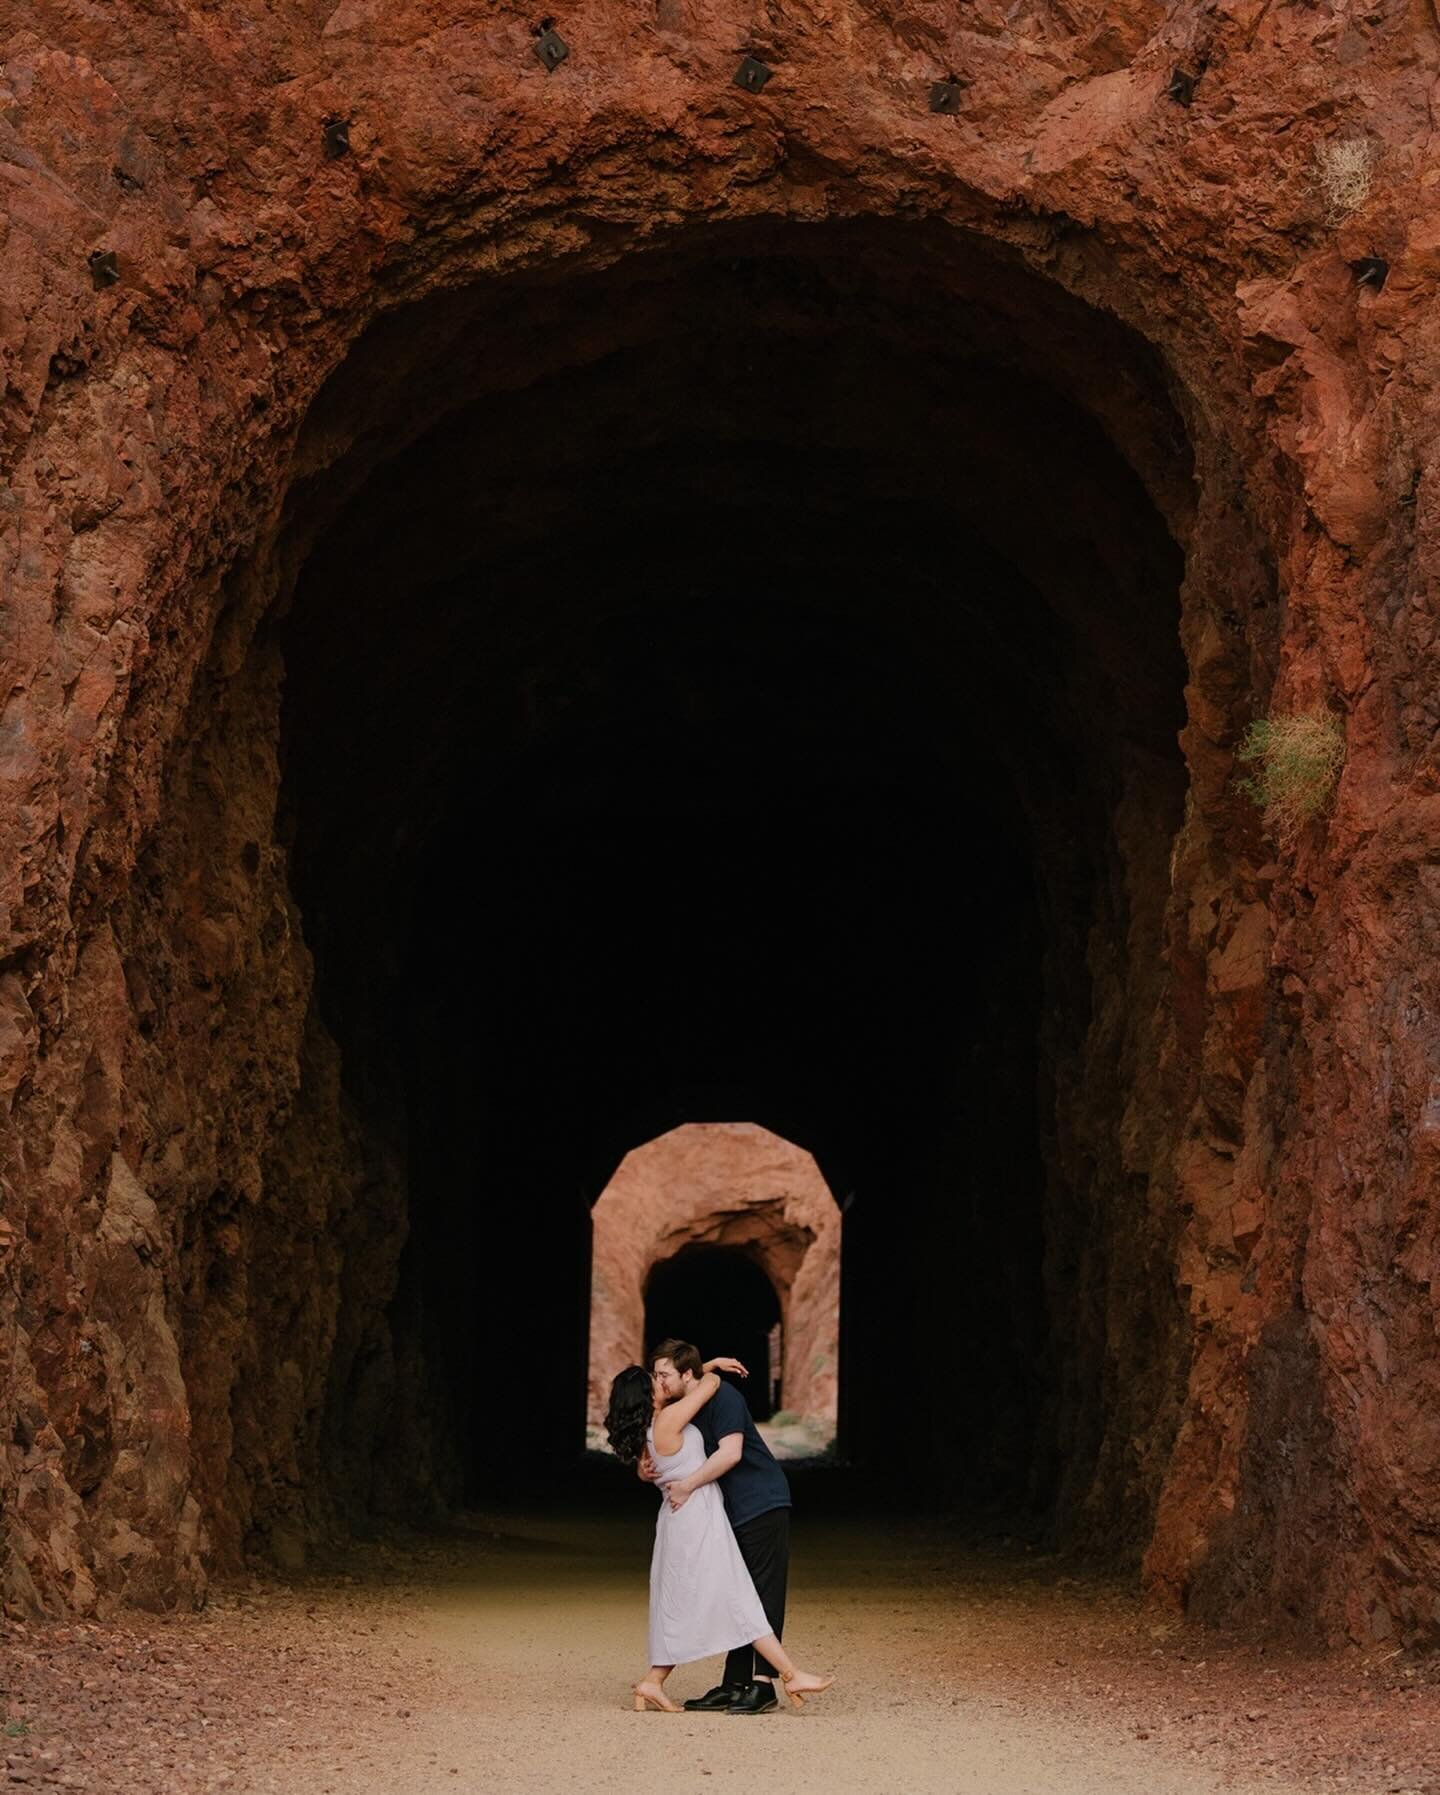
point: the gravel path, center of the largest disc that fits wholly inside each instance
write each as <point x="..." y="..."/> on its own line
<point x="499" y="1659"/>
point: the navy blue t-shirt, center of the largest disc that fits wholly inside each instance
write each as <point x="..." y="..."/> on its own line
<point x="756" y="1484"/>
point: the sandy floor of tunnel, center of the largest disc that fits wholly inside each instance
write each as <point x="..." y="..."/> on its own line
<point x="498" y="1659"/>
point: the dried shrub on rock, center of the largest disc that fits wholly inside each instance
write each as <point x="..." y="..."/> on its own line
<point x="1297" y="763"/>
<point x="1344" y="172"/>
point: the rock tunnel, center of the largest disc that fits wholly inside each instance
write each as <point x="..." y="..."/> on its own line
<point x="643" y="656"/>
<point x="760" y="666"/>
<point x="781" y="676"/>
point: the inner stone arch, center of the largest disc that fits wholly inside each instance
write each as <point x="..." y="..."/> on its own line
<point x="711" y="1214"/>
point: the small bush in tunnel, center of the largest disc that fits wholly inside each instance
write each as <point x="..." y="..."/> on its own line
<point x="1297" y="763"/>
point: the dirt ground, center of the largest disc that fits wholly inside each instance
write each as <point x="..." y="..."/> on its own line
<point x="498" y="1657"/>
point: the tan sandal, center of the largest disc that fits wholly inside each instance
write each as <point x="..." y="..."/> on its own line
<point x="651" y="1695"/>
<point x="797" y="1696"/>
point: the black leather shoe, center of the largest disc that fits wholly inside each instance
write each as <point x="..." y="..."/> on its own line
<point x="723" y="1695"/>
<point x="756" y="1698"/>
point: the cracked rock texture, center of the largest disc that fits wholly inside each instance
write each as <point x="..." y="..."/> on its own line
<point x="207" y="1345"/>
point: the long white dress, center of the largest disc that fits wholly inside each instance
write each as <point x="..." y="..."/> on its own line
<point x="702" y="1601"/>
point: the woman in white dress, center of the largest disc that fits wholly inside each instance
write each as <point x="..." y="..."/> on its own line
<point x="702" y="1601"/>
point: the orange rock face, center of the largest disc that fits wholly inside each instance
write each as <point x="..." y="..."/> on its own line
<point x="731" y="1185"/>
<point x="1153" y="309"/>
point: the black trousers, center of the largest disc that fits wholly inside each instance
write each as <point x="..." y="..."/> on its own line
<point x="765" y="1546"/>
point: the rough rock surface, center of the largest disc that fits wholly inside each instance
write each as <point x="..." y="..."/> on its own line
<point x="201" y="1229"/>
<point x="721" y="1184"/>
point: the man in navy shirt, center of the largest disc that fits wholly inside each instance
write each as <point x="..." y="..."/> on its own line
<point x="757" y="1500"/>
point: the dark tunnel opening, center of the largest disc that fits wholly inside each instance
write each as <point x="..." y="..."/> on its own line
<point x="765" y="706"/>
<point x="708" y="1295"/>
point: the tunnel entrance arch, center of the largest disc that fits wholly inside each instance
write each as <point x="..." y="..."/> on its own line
<point x="707" y="1294"/>
<point x="832" y="710"/>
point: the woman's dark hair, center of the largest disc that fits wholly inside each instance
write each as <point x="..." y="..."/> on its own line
<point x="632" y="1406"/>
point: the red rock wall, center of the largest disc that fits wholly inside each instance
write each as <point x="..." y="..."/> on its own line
<point x="723" y="1184"/>
<point x="1274" y="1128"/>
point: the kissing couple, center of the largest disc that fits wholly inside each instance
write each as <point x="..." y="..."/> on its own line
<point x="722" y="1554"/>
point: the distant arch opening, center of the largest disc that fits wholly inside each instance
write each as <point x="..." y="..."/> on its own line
<point x="722" y="1300"/>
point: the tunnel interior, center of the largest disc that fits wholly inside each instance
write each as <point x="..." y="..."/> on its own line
<point x="744" y="680"/>
<point x="711" y="1294"/>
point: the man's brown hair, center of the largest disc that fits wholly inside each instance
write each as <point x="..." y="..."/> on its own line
<point x="681" y="1354"/>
